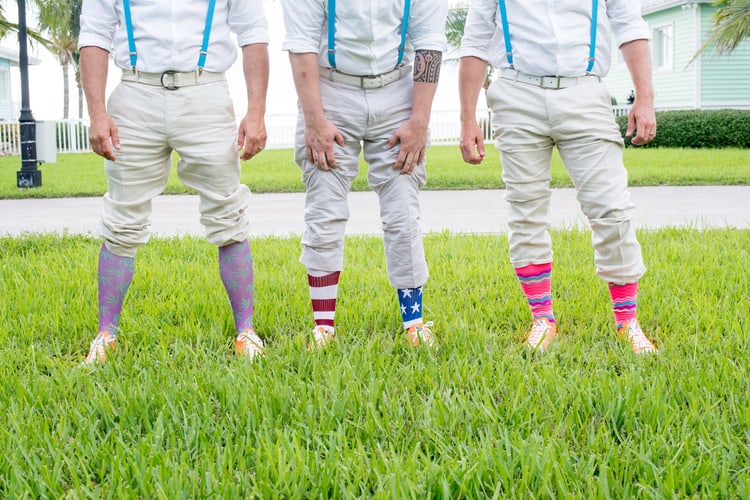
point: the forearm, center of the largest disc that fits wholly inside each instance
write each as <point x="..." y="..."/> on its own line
<point x="426" y="76"/>
<point x="306" y="80"/>
<point x="638" y="60"/>
<point x="94" y="65"/>
<point x="255" y="68"/>
<point x="471" y="75"/>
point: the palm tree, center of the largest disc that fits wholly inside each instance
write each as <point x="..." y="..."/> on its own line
<point x="454" y="31"/>
<point x="59" y="19"/>
<point x="731" y="25"/>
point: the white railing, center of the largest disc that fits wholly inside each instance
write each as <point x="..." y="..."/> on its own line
<point x="73" y="135"/>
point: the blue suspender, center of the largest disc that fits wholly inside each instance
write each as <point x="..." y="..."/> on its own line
<point x="129" y="28"/>
<point x="206" y="35"/>
<point x="332" y="32"/>
<point x="404" y="25"/>
<point x="204" y="45"/>
<point x="592" y="43"/>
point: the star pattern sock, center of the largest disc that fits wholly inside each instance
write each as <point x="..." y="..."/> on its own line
<point x="410" y="301"/>
<point x="536" y="283"/>
<point x="324" y="286"/>
<point x="115" y="273"/>
<point x="624" y="301"/>
<point x="236" y="270"/>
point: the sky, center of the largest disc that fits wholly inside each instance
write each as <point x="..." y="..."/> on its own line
<point x="46" y="80"/>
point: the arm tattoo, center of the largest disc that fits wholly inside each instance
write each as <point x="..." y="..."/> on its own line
<point x="427" y="65"/>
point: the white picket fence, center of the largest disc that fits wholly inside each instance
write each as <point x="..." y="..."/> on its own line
<point x="73" y="135"/>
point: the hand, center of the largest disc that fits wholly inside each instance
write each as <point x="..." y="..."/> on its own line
<point x="642" y="122"/>
<point x="103" y="136"/>
<point x="251" y="137"/>
<point x="319" y="138"/>
<point x="472" y="143"/>
<point x="413" y="139"/>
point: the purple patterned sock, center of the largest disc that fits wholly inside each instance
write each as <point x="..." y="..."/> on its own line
<point x="115" y="275"/>
<point x="236" y="269"/>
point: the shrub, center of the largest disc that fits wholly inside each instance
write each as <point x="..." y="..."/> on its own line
<point x="710" y="128"/>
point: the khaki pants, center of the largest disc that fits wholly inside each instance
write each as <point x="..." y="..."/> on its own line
<point x="198" y="123"/>
<point x="367" y="119"/>
<point x="528" y="122"/>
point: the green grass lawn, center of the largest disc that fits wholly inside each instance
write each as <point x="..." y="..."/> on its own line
<point x="176" y="415"/>
<point x="275" y="171"/>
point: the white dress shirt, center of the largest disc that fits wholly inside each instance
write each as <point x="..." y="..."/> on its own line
<point x="169" y="33"/>
<point x="551" y="37"/>
<point x="368" y="32"/>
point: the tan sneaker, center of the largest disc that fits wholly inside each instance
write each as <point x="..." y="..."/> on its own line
<point x="249" y="345"/>
<point x="541" y="334"/>
<point x="420" y="335"/>
<point x="631" y="331"/>
<point x="101" y="347"/>
<point x="322" y="337"/>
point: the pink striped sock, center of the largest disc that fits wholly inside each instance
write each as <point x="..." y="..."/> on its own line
<point x="536" y="283"/>
<point x="624" y="301"/>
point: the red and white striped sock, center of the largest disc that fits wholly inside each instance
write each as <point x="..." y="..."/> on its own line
<point x="324" y="286"/>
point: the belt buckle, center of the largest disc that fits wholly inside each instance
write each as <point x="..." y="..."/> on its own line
<point x="173" y="85"/>
<point x="371" y="82"/>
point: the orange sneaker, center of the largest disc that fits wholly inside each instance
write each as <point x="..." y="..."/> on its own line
<point x="101" y="347"/>
<point x="541" y="334"/>
<point x="249" y="345"/>
<point x="631" y="331"/>
<point x="322" y="337"/>
<point x="420" y="335"/>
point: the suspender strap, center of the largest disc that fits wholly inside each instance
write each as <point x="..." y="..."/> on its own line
<point x="592" y="43"/>
<point x="506" y="33"/>
<point x="404" y="26"/>
<point x="204" y="45"/>
<point x="332" y="32"/>
<point x="206" y="36"/>
<point x="129" y="28"/>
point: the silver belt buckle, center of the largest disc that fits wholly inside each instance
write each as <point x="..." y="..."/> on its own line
<point x="171" y="86"/>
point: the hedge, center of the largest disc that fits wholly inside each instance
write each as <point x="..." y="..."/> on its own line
<point x="710" y="128"/>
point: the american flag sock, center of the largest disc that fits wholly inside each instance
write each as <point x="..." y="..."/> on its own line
<point x="624" y="301"/>
<point x="410" y="301"/>
<point x="324" y="286"/>
<point x="536" y="283"/>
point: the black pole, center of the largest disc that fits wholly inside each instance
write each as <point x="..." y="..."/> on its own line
<point x="29" y="176"/>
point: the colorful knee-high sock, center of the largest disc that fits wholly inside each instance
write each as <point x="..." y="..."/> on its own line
<point x="236" y="270"/>
<point x="624" y="301"/>
<point x="324" y="286"/>
<point x="115" y="273"/>
<point x="410" y="301"/>
<point x="536" y="284"/>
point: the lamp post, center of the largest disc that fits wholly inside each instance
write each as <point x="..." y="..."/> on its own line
<point x="29" y="176"/>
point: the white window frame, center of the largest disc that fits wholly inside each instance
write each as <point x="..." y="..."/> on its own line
<point x="662" y="47"/>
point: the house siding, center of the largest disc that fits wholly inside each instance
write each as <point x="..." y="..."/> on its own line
<point x="724" y="79"/>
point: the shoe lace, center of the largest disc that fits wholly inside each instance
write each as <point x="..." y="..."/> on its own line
<point x="97" y="349"/>
<point x="251" y="343"/>
<point x="539" y="329"/>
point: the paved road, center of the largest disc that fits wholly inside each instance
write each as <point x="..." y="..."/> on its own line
<point x="483" y="211"/>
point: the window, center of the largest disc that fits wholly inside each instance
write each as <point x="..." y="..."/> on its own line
<point x="4" y="86"/>
<point x="663" y="46"/>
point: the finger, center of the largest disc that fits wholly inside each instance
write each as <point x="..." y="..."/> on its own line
<point x="115" y="135"/>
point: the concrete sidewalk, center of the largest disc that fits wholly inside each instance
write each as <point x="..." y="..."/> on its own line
<point x="484" y="211"/>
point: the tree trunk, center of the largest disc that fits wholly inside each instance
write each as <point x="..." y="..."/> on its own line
<point x="66" y="91"/>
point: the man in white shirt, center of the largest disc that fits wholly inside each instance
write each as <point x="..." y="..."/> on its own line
<point x="550" y="59"/>
<point x="366" y="72"/>
<point x="173" y="96"/>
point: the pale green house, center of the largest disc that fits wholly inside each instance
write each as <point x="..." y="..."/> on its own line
<point x="711" y="81"/>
